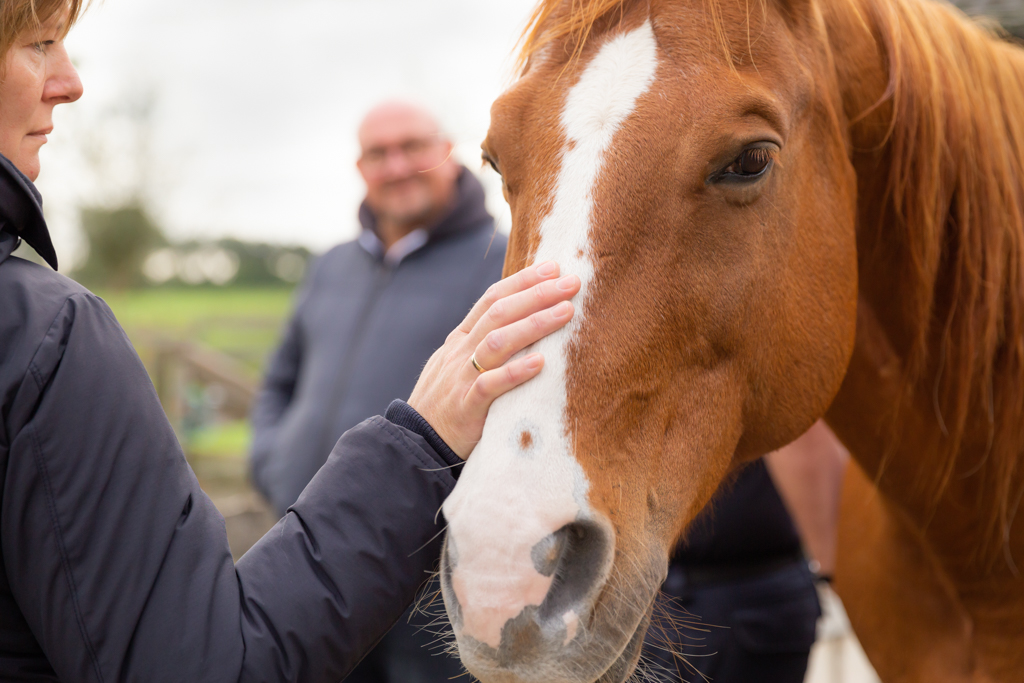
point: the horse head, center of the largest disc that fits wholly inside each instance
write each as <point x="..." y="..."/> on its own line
<point x="687" y="160"/>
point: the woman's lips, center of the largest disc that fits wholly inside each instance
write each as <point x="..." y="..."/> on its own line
<point x="41" y="134"/>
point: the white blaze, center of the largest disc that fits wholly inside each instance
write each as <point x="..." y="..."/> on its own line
<point x="508" y="497"/>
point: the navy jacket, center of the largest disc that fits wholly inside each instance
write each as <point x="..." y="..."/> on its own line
<point x="114" y="566"/>
<point x="362" y="329"/>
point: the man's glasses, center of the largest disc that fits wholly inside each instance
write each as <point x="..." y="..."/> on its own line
<point x="418" y="152"/>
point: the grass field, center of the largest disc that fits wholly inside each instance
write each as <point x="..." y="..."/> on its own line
<point x="242" y="323"/>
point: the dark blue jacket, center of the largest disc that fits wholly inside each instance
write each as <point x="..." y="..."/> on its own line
<point x="114" y="565"/>
<point x="362" y="329"/>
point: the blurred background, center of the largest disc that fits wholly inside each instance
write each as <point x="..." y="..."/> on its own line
<point x="213" y="155"/>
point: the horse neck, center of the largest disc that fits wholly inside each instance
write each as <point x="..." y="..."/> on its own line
<point x="932" y="406"/>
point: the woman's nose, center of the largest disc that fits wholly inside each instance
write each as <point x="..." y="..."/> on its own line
<point x="62" y="81"/>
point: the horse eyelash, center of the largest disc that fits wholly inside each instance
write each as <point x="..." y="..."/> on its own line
<point x="486" y="159"/>
<point x="762" y="153"/>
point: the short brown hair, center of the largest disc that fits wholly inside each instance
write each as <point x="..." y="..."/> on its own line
<point x="18" y="16"/>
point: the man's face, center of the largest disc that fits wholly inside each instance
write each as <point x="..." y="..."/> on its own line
<point x="405" y="163"/>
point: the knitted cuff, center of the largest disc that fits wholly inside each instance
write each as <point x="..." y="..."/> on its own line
<point x="404" y="415"/>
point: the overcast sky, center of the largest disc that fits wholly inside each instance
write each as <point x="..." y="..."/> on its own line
<point x="254" y="105"/>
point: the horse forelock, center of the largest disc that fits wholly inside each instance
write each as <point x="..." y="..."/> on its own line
<point x="575" y="22"/>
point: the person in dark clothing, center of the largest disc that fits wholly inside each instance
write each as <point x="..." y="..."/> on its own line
<point x="114" y="565"/>
<point x="366" y="319"/>
<point x="371" y="311"/>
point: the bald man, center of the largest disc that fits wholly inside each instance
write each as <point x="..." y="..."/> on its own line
<point x="366" y="319"/>
<point x="407" y="167"/>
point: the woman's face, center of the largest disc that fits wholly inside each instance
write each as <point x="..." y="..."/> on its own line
<point x="37" y="76"/>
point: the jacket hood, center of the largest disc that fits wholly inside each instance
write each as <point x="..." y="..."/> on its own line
<point x="467" y="211"/>
<point x="21" y="215"/>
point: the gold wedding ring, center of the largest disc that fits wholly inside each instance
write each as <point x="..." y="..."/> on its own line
<point x="479" y="368"/>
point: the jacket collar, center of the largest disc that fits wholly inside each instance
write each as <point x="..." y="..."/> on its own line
<point x="407" y="245"/>
<point x="467" y="210"/>
<point x="21" y="215"/>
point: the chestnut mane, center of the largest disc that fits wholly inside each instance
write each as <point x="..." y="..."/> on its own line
<point x="954" y="201"/>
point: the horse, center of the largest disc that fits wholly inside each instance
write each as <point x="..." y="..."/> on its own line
<point x="780" y="210"/>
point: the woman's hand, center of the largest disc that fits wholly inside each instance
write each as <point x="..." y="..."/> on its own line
<point x="451" y="394"/>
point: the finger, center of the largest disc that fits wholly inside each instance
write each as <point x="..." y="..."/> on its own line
<point x="524" y="279"/>
<point x="523" y="304"/>
<point x="501" y="344"/>
<point x="493" y="383"/>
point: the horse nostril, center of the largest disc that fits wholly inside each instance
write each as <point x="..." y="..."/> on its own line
<point x="547" y="552"/>
<point x="576" y="555"/>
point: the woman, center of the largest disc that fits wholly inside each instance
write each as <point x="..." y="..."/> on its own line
<point x="113" y="563"/>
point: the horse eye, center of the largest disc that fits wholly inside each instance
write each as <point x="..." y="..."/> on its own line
<point x="489" y="161"/>
<point x="750" y="164"/>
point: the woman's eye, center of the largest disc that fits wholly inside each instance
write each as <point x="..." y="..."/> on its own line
<point x="751" y="163"/>
<point x="41" y="46"/>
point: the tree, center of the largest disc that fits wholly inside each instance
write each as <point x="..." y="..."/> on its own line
<point x="119" y="240"/>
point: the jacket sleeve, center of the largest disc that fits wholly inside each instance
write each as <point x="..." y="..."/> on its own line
<point x="121" y="565"/>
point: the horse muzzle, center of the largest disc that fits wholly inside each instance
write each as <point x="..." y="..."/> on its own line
<point x="522" y="608"/>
